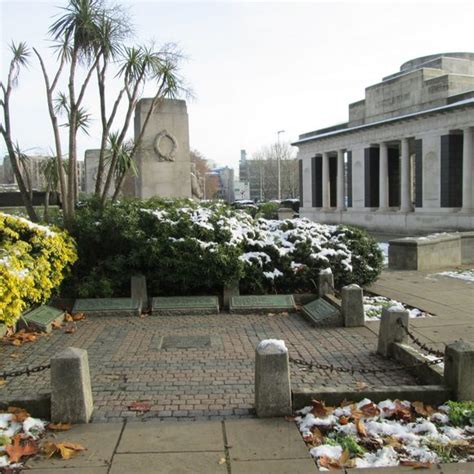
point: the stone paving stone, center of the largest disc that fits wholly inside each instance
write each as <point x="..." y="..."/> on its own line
<point x="185" y="305"/>
<point x="162" y="437"/>
<point x="273" y="438"/>
<point x="292" y="466"/>
<point x="107" y="307"/>
<point x="42" y="318"/>
<point x="261" y="304"/>
<point x="170" y="463"/>
<point x="99" y="439"/>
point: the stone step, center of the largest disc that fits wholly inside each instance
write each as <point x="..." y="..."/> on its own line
<point x="42" y="318"/>
<point x="107" y="307"/>
<point x="322" y="313"/>
<point x="262" y="304"/>
<point x="184" y="305"/>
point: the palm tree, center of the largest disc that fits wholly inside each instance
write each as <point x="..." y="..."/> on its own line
<point x="20" y="54"/>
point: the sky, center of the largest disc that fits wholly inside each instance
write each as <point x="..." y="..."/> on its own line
<point x="255" y="68"/>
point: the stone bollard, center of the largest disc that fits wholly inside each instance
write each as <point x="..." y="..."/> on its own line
<point x="71" y="393"/>
<point x="230" y="289"/>
<point x="325" y="282"/>
<point x="272" y="379"/>
<point x="138" y="290"/>
<point x="459" y="370"/>
<point x="352" y="306"/>
<point x="390" y="331"/>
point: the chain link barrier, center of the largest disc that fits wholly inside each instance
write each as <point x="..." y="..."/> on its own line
<point x="26" y="371"/>
<point x="418" y="343"/>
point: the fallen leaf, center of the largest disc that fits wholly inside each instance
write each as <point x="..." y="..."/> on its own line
<point x="69" y="450"/>
<point x="17" y="450"/>
<point x="49" y="449"/>
<point x="370" y="409"/>
<point x="222" y="461"/>
<point x="2" y="382"/>
<point x="68" y="317"/>
<point x="70" y="328"/>
<point x="16" y="342"/>
<point x="393" y="442"/>
<point x="346" y="403"/>
<point x="78" y="317"/>
<point x="361" y="427"/>
<point x="345" y="456"/>
<point x="59" y="426"/>
<point x="56" y="324"/>
<point x="360" y="385"/>
<point x="19" y="414"/>
<point x="139" y="406"/>
<point x="329" y="463"/>
<point x="320" y="409"/>
<point x="343" y="420"/>
<point x="290" y="418"/>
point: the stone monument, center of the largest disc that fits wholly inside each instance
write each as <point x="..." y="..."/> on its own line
<point x="163" y="159"/>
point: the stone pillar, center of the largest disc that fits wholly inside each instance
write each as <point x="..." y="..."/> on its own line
<point x="405" y="198"/>
<point x="325" y="282"/>
<point x="467" y="169"/>
<point x="138" y="290"/>
<point x="71" y="392"/>
<point x="230" y="289"/>
<point x="326" y="202"/>
<point x="272" y="379"/>
<point x="353" y="306"/>
<point x="390" y="331"/>
<point x="383" y="178"/>
<point x="341" y="206"/>
<point x="459" y="370"/>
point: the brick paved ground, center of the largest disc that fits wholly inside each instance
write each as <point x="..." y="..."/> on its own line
<point x="127" y="364"/>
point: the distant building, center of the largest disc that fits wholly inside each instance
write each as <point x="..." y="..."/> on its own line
<point x="225" y="183"/>
<point x="404" y="161"/>
<point x="34" y="166"/>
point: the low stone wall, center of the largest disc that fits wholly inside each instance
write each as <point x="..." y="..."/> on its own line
<point x="431" y="252"/>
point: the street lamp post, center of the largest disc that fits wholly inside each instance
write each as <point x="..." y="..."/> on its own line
<point x="279" y="164"/>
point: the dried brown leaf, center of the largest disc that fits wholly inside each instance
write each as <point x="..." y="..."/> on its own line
<point x="17" y="449"/>
<point x="59" y="426"/>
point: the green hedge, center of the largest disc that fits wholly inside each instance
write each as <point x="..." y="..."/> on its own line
<point x="184" y="248"/>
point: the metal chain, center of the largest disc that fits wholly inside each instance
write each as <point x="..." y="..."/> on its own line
<point x="360" y="370"/>
<point x="417" y="342"/>
<point x="27" y="371"/>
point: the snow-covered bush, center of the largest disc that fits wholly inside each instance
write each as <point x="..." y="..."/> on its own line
<point x="184" y="247"/>
<point x="33" y="262"/>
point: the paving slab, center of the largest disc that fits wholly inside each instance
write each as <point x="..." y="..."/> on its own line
<point x="99" y="440"/>
<point x="262" y="304"/>
<point x="42" y="318"/>
<point x="186" y="305"/>
<point x="107" y="306"/>
<point x="162" y="437"/>
<point x="169" y="463"/>
<point x="264" y="439"/>
<point x="457" y="468"/>
<point x="284" y="466"/>
<point x="322" y="313"/>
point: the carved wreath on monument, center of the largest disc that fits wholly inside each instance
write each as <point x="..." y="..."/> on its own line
<point x="165" y="146"/>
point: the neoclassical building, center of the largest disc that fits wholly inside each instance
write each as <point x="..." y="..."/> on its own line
<point x="404" y="162"/>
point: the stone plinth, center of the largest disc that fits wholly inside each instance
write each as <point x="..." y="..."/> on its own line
<point x="138" y="290"/>
<point x="71" y="392"/>
<point x="390" y="330"/>
<point x="353" y="306"/>
<point x="42" y="318"/>
<point x="322" y="313"/>
<point x="272" y="379"/>
<point x="184" y="305"/>
<point x="325" y="283"/>
<point x="459" y="369"/>
<point x="230" y="290"/>
<point x="262" y="304"/>
<point x="107" y="306"/>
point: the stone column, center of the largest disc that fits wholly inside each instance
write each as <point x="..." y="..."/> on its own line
<point x="340" y="181"/>
<point x="383" y="178"/>
<point x="326" y="202"/>
<point x="405" y="198"/>
<point x="467" y="169"/>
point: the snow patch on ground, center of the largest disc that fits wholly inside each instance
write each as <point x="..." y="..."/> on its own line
<point x="466" y="275"/>
<point x="373" y="306"/>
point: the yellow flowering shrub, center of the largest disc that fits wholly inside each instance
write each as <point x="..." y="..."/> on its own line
<point x="34" y="260"/>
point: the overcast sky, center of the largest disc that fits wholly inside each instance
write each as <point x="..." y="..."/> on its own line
<point x="255" y="68"/>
